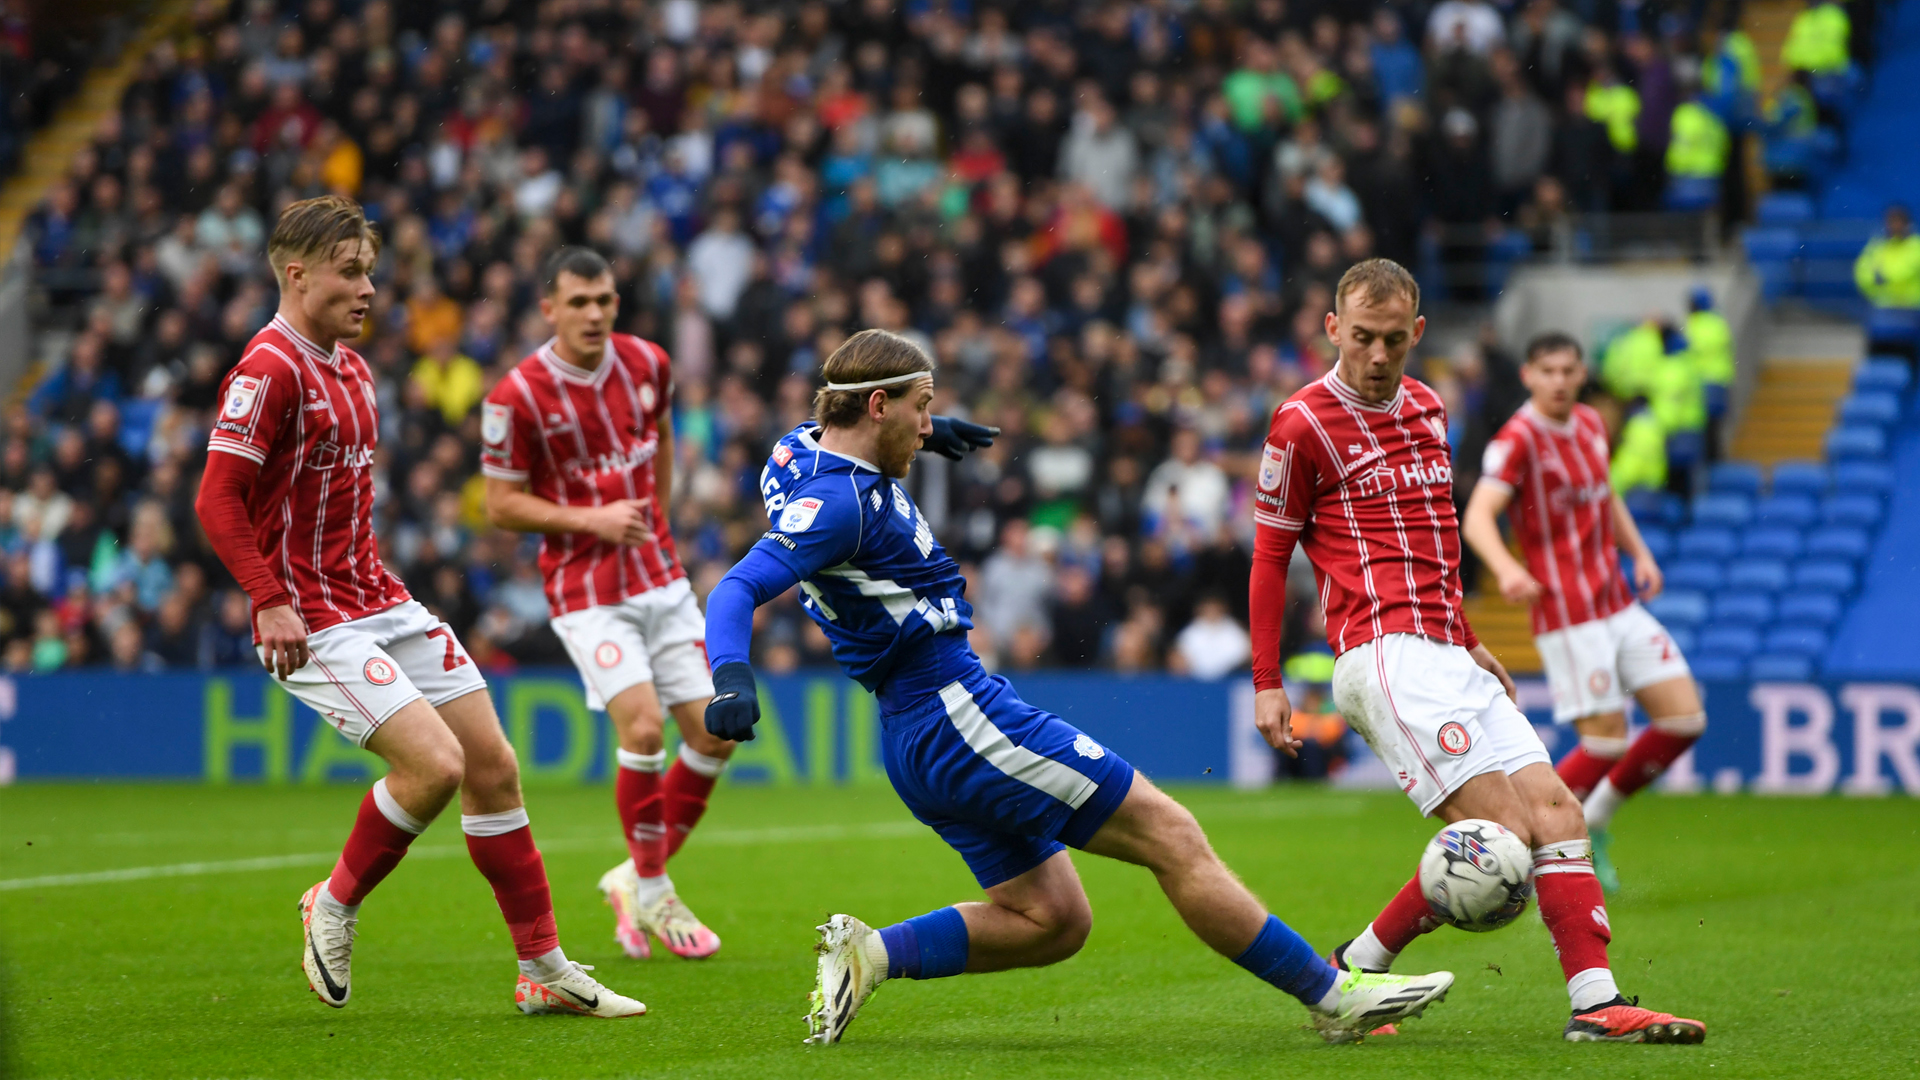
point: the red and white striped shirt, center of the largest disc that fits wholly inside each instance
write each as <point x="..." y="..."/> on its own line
<point x="586" y="438"/>
<point x="309" y="420"/>
<point x="1562" y="513"/>
<point x="1367" y="490"/>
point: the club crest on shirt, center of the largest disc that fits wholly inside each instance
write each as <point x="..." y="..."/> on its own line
<point x="607" y="654"/>
<point x="240" y="395"/>
<point x="1087" y="748"/>
<point x="1454" y="739"/>
<point x="648" y="398"/>
<point x="495" y="422"/>
<point x="380" y="673"/>
<point x="1438" y="426"/>
<point x="799" y="514"/>
<point x="1273" y="467"/>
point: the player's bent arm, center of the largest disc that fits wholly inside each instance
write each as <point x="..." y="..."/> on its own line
<point x="663" y="469"/>
<point x="222" y="508"/>
<point x="1647" y="577"/>
<point x="1481" y="529"/>
<point x="1267" y="614"/>
<point x="754" y="580"/>
<point x="512" y="507"/>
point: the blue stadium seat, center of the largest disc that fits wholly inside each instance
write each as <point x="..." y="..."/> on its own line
<point x="1682" y="638"/>
<point x="1777" y="667"/>
<point x="1729" y="511"/>
<point x="1791" y="511"/>
<point x="1839" y="542"/>
<point x="1679" y="607"/>
<point x="1707" y="542"/>
<point x="1856" y="443"/>
<point x="1783" y="208"/>
<point x="1656" y="508"/>
<point x="1870" y="408"/>
<point x="1742" y="609"/>
<point x="1736" y="477"/>
<point x="1801" y="478"/>
<point x="1659" y="541"/>
<point x="1884" y="373"/>
<point x="1771" y="251"/>
<point x="1708" y="668"/>
<point x="1698" y="574"/>
<point x="1796" y="640"/>
<point x="1861" y="511"/>
<point x="1760" y="575"/>
<point x="1738" y="641"/>
<point x="1825" y="575"/>
<point x="1863" y="478"/>
<point x="1809" y="609"/>
<point x="1773" y="542"/>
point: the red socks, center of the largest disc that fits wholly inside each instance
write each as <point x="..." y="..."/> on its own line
<point x="1649" y="756"/>
<point x="688" y="785"/>
<point x="642" y="804"/>
<point x="502" y="848"/>
<point x="1583" y="769"/>
<point x="1572" y="907"/>
<point x="379" y="839"/>
<point x="1406" y="917"/>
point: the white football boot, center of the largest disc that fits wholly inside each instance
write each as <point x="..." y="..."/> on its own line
<point x="327" y="956"/>
<point x="573" y="991"/>
<point x="675" y="924"/>
<point x="1369" y="1000"/>
<point x="621" y="886"/>
<point x="845" y="978"/>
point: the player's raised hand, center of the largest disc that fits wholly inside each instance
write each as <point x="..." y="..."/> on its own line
<point x="735" y="707"/>
<point x="283" y="634"/>
<point x="1518" y="586"/>
<point x="952" y="438"/>
<point x="1648" y="581"/>
<point x="626" y="521"/>
<point x="1273" y="715"/>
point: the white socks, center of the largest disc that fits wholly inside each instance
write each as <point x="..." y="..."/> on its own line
<point x="494" y="824"/>
<point x="653" y="888"/>
<point x="324" y="898"/>
<point x="876" y="950"/>
<point x="391" y="809"/>
<point x="701" y="763"/>
<point x="1601" y="805"/>
<point x="1591" y="989"/>
<point x="653" y="762"/>
<point x="1368" y="954"/>
<point x="545" y="967"/>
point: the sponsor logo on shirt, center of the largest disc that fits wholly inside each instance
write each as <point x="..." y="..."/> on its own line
<point x="782" y="455"/>
<point x="602" y="464"/>
<point x="782" y="539"/>
<point x="328" y="455"/>
<point x="240" y="395"/>
<point x="1376" y="481"/>
<point x="1273" y="467"/>
<point x="798" y="515"/>
<point x="1574" y="495"/>
<point x="1422" y="473"/>
<point x="496" y="421"/>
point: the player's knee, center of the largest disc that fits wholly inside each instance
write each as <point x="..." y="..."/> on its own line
<point x="640" y="730"/>
<point x="1557" y="818"/>
<point x="701" y="741"/>
<point x="1685" y="726"/>
<point x="441" y="768"/>
<point x="1068" y="921"/>
<point x="492" y="772"/>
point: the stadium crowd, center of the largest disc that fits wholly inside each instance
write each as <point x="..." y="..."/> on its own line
<point x="1114" y="224"/>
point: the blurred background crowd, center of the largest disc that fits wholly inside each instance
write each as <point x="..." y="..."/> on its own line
<point x="1115" y="224"/>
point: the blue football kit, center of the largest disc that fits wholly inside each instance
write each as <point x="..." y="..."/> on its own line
<point x="1004" y="783"/>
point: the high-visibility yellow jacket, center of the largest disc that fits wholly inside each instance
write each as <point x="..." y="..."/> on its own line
<point x="1710" y="343"/>
<point x="1817" y="40"/>
<point x="1888" y="271"/>
<point x="1737" y="48"/>
<point x="1640" y="460"/>
<point x="1676" y="394"/>
<point x="1616" y="106"/>
<point x="1626" y="369"/>
<point x="1699" y="145"/>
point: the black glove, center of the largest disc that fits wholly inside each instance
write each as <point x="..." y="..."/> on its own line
<point x="952" y="438"/>
<point x="735" y="707"/>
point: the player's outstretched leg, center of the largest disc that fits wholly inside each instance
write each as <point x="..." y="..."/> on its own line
<point x="425" y="765"/>
<point x="1679" y="721"/>
<point x="1603" y="742"/>
<point x="656" y="815"/>
<point x="1536" y="804"/>
<point x="500" y="841"/>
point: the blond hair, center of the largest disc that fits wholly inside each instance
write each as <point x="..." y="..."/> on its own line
<point x="1382" y="279"/>
<point x="864" y="357"/>
<point x="312" y="228"/>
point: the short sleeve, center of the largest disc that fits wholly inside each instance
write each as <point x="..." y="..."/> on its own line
<point x="257" y="400"/>
<point x="818" y="526"/>
<point x="506" y="436"/>
<point x="1289" y="474"/>
<point x="1504" y="461"/>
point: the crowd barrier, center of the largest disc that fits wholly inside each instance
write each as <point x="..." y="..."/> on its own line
<point x="819" y="729"/>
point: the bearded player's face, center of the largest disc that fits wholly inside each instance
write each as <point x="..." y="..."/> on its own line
<point x="908" y="422"/>
<point x="1373" y="339"/>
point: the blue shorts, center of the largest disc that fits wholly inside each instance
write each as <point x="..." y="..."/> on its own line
<point x="1003" y="783"/>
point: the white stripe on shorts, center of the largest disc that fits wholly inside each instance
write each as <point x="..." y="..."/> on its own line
<point x="1058" y="780"/>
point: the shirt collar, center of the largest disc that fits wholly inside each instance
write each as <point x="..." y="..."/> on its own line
<point x="305" y="345"/>
<point x="1352" y="397"/>
<point x="1535" y="416"/>
<point x="575" y="373"/>
<point x="807" y="440"/>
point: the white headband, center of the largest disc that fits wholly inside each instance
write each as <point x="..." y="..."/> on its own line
<point x="871" y="383"/>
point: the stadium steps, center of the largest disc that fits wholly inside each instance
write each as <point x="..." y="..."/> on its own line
<point x="1766" y="22"/>
<point x="1505" y="629"/>
<point x="1791" y="410"/>
<point x="50" y="151"/>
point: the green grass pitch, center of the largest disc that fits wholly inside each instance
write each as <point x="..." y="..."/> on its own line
<point x="1791" y="927"/>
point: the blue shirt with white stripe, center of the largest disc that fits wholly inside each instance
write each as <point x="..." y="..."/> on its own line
<point x="864" y="557"/>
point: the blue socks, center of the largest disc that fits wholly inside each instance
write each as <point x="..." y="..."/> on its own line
<point x="930" y="946"/>
<point x="1284" y="959"/>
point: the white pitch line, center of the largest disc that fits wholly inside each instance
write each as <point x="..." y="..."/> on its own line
<point x="878" y="830"/>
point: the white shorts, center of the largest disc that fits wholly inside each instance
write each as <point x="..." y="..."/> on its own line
<point x="361" y="672"/>
<point x="1436" y="718"/>
<point x="657" y="637"/>
<point x="1592" y="667"/>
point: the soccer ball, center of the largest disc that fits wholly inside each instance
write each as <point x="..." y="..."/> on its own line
<point x="1477" y="875"/>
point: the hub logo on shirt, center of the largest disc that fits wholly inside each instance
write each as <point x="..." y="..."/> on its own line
<point x="380" y="673"/>
<point x="1421" y="473"/>
<point x="240" y="397"/>
<point x="799" y="514"/>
